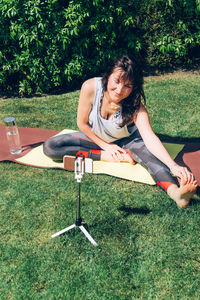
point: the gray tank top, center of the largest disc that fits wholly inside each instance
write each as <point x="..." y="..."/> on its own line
<point x="108" y="130"/>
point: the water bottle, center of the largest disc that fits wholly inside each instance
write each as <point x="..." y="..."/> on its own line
<point x="12" y="135"/>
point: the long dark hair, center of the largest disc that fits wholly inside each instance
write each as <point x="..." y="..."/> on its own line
<point x="134" y="74"/>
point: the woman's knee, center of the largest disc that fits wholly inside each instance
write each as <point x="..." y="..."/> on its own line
<point x="48" y="147"/>
<point x="56" y="146"/>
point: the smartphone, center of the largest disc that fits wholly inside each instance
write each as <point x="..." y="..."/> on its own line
<point x="69" y="163"/>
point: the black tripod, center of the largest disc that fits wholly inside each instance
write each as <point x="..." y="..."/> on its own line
<point x="79" y="168"/>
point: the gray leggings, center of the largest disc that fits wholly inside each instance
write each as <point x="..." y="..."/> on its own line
<point x="77" y="142"/>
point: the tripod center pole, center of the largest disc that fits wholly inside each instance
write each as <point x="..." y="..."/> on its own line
<point x="79" y="171"/>
<point x="78" y="213"/>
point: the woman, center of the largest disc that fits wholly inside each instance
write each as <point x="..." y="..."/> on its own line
<point x="114" y="126"/>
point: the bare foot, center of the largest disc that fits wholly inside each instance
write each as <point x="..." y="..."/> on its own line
<point x="182" y="195"/>
<point x="124" y="157"/>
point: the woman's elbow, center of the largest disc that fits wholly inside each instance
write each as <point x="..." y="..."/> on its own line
<point x="82" y="125"/>
<point x="79" y="123"/>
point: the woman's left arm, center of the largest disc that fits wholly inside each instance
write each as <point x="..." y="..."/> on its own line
<point x="155" y="146"/>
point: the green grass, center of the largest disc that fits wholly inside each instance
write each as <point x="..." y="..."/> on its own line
<point x="148" y="248"/>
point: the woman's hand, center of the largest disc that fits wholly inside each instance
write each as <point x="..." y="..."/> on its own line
<point x="113" y="152"/>
<point x="182" y="172"/>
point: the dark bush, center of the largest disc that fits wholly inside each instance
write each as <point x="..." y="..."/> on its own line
<point x="55" y="44"/>
<point x="171" y="30"/>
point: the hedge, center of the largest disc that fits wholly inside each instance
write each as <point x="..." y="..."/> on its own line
<point x="48" y="45"/>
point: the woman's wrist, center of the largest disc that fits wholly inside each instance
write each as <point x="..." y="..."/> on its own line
<point x="103" y="145"/>
<point x="172" y="166"/>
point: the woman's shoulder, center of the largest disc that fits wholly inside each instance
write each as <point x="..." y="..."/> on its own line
<point x="140" y="112"/>
<point x="142" y="108"/>
<point x="88" y="90"/>
<point x="88" y="86"/>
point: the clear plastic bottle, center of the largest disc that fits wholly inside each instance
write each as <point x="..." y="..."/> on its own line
<point x="13" y="135"/>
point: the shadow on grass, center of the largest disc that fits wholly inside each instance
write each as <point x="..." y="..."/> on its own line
<point x="110" y="225"/>
<point x="194" y="202"/>
<point x="134" y="210"/>
<point x="198" y="191"/>
<point x="177" y="139"/>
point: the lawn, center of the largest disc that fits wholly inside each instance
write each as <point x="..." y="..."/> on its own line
<point x="147" y="247"/>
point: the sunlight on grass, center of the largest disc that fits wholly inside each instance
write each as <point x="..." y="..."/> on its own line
<point x="147" y="247"/>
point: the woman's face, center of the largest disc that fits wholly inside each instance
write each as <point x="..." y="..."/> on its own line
<point x="119" y="86"/>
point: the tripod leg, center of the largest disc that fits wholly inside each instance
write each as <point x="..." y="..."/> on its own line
<point x="82" y="228"/>
<point x="63" y="231"/>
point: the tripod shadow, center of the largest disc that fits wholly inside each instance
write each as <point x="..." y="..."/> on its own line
<point x="134" y="210"/>
<point x="111" y="226"/>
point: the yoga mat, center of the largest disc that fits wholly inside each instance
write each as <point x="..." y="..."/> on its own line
<point x="120" y="170"/>
<point x="32" y="154"/>
<point x="30" y="138"/>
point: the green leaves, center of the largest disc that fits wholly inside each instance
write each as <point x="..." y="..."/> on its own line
<point x="177" y="45"/>
<point x="171" y="31"/>
<point x="61" y="43"/>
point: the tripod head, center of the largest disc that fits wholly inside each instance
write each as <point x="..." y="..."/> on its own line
<point x="82" y="165"/>
<point x="79" y="167"/>
<point x="78" y="164"/>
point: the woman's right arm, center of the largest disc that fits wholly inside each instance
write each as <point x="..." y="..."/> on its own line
<point x="84" y="107"/>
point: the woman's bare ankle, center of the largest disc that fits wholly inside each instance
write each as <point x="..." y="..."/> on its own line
<point x="183" y="194"/>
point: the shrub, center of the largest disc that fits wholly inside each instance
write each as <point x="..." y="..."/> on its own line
<point x="51" y="44"/>
<point x="171" y="31"/>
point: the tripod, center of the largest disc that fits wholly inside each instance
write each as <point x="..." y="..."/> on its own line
<point x="79" y="169"/>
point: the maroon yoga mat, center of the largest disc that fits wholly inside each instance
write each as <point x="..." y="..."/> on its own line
<point x="30" y="138"/>
<point x="189" y="157"/>
<point x="33" y="137"/>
